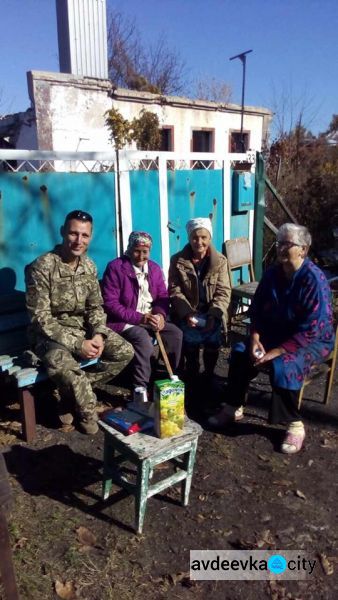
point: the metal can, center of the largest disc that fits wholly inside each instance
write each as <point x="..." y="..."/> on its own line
<point x="140" y="394"/>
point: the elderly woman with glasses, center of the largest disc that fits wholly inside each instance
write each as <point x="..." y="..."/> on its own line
<point x="137" y="304"/>
<point x="199" y="291"/>
<point x="291" y="329"/>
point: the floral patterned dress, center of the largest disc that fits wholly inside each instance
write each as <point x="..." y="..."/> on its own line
<point x="297" y="315"/>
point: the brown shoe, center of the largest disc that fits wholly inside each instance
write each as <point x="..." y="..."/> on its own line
<point x="89" y="427"/>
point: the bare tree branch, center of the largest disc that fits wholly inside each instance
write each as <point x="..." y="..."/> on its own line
<point x="132" y="64"/>
<point x="291" y="109"/>
<point x="213" y="90"/>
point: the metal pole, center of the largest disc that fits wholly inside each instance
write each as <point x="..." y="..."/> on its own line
<point x="242" y="58"/>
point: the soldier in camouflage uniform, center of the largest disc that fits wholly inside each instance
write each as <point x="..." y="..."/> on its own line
<point x="68" y="323"/>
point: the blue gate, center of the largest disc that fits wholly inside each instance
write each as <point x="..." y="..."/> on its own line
<point x="33" y="207"/>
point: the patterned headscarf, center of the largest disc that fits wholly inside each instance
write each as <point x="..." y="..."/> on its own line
<point x="198" y="223"/>
<point x="138" y="238"/>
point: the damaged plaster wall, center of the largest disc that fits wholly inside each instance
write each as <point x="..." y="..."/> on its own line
<point x="70" y="114"/>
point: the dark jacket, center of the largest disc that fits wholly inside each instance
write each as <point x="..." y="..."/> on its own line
<point x="183" y="284"/>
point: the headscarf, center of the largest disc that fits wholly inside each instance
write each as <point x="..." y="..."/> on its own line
<point x="138" y="238"/>
<point x="198" y="223"/>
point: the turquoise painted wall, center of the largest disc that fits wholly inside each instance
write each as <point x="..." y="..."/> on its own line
<point x="33" y="207"/>
<point x="191" y="194"/>
<point x="239" y="227"/>
<point x="145" y="207"/>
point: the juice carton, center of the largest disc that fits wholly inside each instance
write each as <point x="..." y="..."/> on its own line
<point x="169" y="407"/>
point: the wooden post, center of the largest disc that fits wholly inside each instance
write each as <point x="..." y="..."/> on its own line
<point x="6" y="562"/>
<point x="259" y="212"/>
<point x="28" y="418"/>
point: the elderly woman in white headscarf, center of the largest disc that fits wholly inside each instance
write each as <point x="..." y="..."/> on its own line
<point x="199" y="291"/>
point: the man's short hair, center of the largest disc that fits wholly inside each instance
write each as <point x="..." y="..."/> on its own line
<point x="79" y="215"/>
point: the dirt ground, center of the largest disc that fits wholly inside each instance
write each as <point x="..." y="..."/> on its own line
<point x="245" y="494"/>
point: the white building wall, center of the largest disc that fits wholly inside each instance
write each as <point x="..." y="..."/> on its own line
<point x="70" y="113"/>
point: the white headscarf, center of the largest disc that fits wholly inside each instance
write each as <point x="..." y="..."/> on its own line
<point x="199" y="223"/>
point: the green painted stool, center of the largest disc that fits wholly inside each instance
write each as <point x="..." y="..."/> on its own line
<point x="146" y="451"/>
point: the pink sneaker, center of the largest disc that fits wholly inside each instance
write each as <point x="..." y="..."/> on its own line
<point x="292" y="442"/>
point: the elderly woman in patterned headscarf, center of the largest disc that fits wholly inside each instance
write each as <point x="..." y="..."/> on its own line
<point x="199" y="290"/>
<point x="136" y="302"/>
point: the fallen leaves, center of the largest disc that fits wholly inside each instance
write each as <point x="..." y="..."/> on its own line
<point x="20" y="543"/>
<point x="282" y="482"/>
<point x="265" y="540"/>
<point x="327" y="566"/>
<point x="220" y="492"/>
<point x="200" y="518"/>
<point x="263" y="457"/>
<point x="7" y="439"/>
<point x="330" y="440"/>
<point x="247" y="488"/>
<point x="300" y="494"/>
<point x="172" y="579"/>
<point x="66" y="591"/>
<point x="86" y="538"/>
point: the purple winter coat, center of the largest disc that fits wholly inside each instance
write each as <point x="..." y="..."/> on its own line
<point x="120" y="291"/>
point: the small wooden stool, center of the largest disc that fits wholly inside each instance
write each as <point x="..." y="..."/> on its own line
<point x="146" y="451"/>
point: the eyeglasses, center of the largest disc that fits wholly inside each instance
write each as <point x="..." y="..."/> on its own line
<point x="79" y="215"/>
<point x="287" y="245"/>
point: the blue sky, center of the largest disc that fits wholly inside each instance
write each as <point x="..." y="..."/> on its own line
<point x="294" y="42"/>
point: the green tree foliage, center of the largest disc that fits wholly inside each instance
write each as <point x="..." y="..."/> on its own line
<point x="120" y="129"/>
<point x="147" y="132"/>
<point x="304" y="170"/>
<point x="144" y="130"/>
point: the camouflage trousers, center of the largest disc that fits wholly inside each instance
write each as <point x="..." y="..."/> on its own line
<point x="75" y="384"/>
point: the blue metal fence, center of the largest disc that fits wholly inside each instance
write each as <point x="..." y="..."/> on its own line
<point x="33" y="206"/>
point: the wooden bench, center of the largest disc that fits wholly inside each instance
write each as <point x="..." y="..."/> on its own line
<point x="13" y="362"/>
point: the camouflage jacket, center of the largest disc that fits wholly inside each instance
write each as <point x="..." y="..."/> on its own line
<point x="64" y="306"/>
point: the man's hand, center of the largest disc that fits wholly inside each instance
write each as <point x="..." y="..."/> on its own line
<point x="98" y="341"/>
<point x="92" y="348"/>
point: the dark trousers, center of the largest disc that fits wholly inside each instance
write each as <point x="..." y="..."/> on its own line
<point x="284" y="403"/>
<point x="141" y="339"/>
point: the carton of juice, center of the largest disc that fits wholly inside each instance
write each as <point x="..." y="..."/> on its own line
<point x="169" y="407"/>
